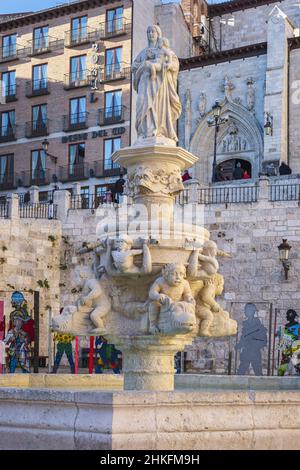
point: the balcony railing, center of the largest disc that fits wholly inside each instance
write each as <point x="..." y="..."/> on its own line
<point x="77" y="37"/>
<point x="75" y="122"/>
<point x="120" y="71"/>
<point x="228" y="195"/>
<point x="37" y="128"/>
<point x="12" y="52"/>
<point x="7" y="181"/>
<point x="7" y="133"/>
<point x="37" y="87"/>
<point x="75" y="172"/>
<point x="4" y="210"/>
<point x="77" y="80"/>
<point x="90" y="201"/>
<point x="116" y="27"/>
<point x="34" y="178"/>
<point x="38" y="210"/>
<point x="284" y="192"/>
<point x="9" y="93"/>
<point x="44" y="45"/>
<point x="111" y="115"/>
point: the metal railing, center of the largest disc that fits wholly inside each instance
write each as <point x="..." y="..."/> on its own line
<point x="120" y="71"/>
<point x="77" y="80"/>
<point x="77" y="37"/>
<point x="7" y="181"/>
<point x="35" y="178"/>
<point x="111" y="115"/>
<point x="115" y="27"/>
<point x="44" y="45"/>
<point x="38" y="210"/>
<point x="7" y="133"/>
<point x="75" y="122"/>
<point x="90" y="201"/>
<point x="284" y="192"/>
<point x="37" y="87"/>
<point x="228" y="195"/>
<point x="4" y="210"/>
<point x="36" y="128"/>
<point x="10" y="93"/>
<point x="12" y="52"/>
<point x="75" y="172"/>
<point x="183" y="198"/>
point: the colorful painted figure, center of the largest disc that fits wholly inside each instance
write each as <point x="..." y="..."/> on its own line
<point x="64" y="346"/>
<point x="107" y="356"/>
<point x="18" y="343"/>
<point x="289" y="346"/>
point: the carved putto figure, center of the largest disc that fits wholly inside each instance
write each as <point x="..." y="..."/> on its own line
<point x="203" y="261"/>
<point x="171" y="296"/>
<point x="155" y="72"/>
<point x="92" y="306"/>
<point x="214" y="321"/>
<point x="121" y="259"/>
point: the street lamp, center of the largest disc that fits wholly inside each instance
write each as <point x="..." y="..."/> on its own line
<point x="284" y="252"/>
<point x="269" y="124"/>
<point x="216" y="121"/>
<point x="53" y="158"/>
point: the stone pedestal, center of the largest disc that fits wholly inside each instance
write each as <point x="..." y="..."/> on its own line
<point x="148" y="361"/>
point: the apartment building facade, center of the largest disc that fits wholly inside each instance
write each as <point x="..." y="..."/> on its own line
<point x="66" y="91"/>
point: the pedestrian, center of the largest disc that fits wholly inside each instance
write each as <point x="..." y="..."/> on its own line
<point x="246" y="175"/>
<point x="119" y="189"/>
<point x="186" y="176"/>
<point x="284" y="169"/>
<point x="51" y="210"/>
<point x="238" y="172"/>
<point x="27" y="197"/>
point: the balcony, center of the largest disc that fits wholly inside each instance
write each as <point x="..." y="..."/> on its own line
<point x="115" y="115"/>
<point x="77" y="80"/>
<point x="108" y="169"/>
<point x="7" y="133"/>
<point x="75" y="172"/>
<point x="78" y="37"/>
<point x="37" y="88"/>
<point x="36" y="128"/>
<point x="35" y="178"/>
<point x="44" y="46"/>
<point x="117" y="27"/>
<point x="75" y="122"/>
<point x="8" y="54"/>
<point x="112" y="72"/>
<point x="9" y="93"/>
<point x="7" y="181"/>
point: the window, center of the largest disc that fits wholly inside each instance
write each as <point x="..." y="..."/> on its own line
<point x="39" y="75"/>
<point x="78" y="68"/>
<point x="9" y="46"/>
<point x="6" y="168"/>
<point x="7" y="123"/>
<point x="113" y="105"/>
<point x="39" y="118"/>
<point x="79" y="29"/>
<point x="77" y="111"/>
<point x="76" y="160"/>
<point x="85" y="197"/>
<point x="9" y="83"/>
<point x="41" y="39"/>
<point x="110" y="146"/>
<point x="38" y="165"/>
<point x="114" y="20"/>
<point x="113" y="61"/>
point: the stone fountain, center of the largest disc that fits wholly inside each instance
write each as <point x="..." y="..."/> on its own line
<point x="153" y="284"/>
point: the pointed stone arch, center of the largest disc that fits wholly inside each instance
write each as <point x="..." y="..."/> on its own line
<point x="202" y="142"/>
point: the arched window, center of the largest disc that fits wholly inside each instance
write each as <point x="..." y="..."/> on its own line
<point x="234" y="169"/>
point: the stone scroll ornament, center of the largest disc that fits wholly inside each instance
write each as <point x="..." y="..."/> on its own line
<point x="155" y="72"/>
<point x="144" y="180"/>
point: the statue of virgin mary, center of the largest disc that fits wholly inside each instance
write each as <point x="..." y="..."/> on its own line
<point x="155" y="72"/>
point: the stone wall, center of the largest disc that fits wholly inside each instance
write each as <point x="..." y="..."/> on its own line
<point x="29" y="253"/>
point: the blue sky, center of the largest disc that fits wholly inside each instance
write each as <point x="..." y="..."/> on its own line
<point x="14" y="6"/>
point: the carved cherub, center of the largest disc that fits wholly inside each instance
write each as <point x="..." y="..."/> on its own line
<point x="207" y="305"/>
<point x="121" y="260"/>
<point x="92" y="306"/>
<point x="203" y="261"/>
<point x="172" y="286"/>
